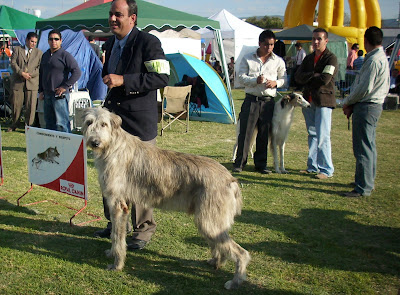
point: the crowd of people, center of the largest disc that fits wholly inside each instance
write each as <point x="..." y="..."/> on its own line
<point x="263" y="71"/>
<point x="135" y="67"/>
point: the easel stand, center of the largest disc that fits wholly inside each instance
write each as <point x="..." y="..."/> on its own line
<point x="96" y="218"/>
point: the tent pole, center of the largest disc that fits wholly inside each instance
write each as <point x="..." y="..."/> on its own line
<point x="218" y="37"/>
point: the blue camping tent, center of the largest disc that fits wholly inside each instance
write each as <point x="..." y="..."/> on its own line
<point x="76" y="44"/>
<point x="220" y="105"/>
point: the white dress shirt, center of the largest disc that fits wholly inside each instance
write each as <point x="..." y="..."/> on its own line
<point x="251" y="67"/>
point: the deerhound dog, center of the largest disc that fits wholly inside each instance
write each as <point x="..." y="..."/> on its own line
<point x="134" y="172"/>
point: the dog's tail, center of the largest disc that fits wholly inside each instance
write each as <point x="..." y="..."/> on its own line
<point x="238" y="197"/>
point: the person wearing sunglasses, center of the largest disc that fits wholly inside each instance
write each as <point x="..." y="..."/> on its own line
<point x="58" y="73"/>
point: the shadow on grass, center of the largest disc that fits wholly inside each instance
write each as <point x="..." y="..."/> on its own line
<point x="175" y="275"/>
<point x="7" y="206"/>
<point x="329" y="238"/>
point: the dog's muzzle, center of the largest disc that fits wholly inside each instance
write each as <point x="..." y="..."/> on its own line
<point x="94" y="143"/>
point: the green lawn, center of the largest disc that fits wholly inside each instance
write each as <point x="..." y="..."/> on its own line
<point x="304" y="237"/>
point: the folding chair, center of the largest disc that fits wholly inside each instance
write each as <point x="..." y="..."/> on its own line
<point x="78" y="101"/>
<point x="175" y="104"/>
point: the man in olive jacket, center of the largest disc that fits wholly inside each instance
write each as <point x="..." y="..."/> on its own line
<point x="317" y="73"/>
<point x="25" y="62"/>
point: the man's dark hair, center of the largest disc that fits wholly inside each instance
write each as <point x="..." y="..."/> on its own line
<point x="91" y="38"/>
<point x="266" y="34"/>
<point x="374" y="36"/>
<point x="355" y="46"/>
<point x="132" y="8"/>
<point x="298" y="45"/>
<point x="31" y="35"/>
<point x="55" y="31"/>
<point x="321" y="30"/>
<point x="360" y="52"/>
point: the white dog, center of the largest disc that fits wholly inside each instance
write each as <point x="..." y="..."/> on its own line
<point x="281" y="121"/>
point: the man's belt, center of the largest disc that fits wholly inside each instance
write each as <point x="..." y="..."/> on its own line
<point x="260" y="98"/>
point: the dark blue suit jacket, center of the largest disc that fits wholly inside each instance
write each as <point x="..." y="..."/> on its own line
<point x="136" y="101"/>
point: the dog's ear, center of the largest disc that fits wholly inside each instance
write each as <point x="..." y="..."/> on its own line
<point x="285" y="100"/>
<point x="292" y="96"/>
<point x="116" y="121"/>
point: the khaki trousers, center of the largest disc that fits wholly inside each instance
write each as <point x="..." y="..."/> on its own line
<point x="19" y="98"/>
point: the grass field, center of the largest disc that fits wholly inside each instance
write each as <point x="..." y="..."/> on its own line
<point x="304" y="237"/>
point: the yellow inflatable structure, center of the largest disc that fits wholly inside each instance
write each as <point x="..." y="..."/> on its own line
<point x="364" y="13"/>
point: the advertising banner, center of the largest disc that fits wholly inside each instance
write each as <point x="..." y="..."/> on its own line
<point x="57" y="160"/>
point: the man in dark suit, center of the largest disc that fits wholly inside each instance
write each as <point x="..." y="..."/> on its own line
<point x="25" y="62"/>
<point x="135" y="67"/>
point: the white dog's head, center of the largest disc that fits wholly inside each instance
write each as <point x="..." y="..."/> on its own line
<point x="98" y="127"/>
<point x="295" y="99"/>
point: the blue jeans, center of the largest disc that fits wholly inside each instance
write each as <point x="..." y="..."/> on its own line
<point x="318" y="123"/>
<point x="56" y="113"/>
<point x="365" y="120"/>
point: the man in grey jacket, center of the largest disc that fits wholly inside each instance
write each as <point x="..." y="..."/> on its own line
<point x="365" y="101"/>
<point x="317" y="74"/>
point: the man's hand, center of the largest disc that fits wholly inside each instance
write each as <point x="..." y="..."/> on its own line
<point x="270" y="84"/>
<point x="113" y="80"/>
<point x="59" y="91"/>
<point x="348" y="110"/>
<point x="26" y="76"/>
<point x="41" y="96"/>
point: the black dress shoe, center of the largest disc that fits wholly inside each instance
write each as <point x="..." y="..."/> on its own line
<point x="237" y="169"/>
<point x="352" y="194"/>
<point x="104" y="233"/>
<point x="263" y="170"/>
<point x="136" y="244"/>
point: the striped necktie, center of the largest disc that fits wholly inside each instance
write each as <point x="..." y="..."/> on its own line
<point x="114" y="58"/>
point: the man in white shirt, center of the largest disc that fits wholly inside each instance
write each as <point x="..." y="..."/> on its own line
<point x="365" y="101"/>
<point x="261" y="72"/>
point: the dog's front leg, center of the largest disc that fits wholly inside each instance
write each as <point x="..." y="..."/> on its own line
<point x="282" y="154"/>
<point x="119" y="217"/>
<point x="275" y="153"/>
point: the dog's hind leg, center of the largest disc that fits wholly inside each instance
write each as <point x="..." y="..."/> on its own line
<point x="227" y="248"/>
<point x="119" y="217"/>
<point x="218" y="258"/>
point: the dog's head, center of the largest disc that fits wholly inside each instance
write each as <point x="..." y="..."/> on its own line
<point x="98" y="127"/>
<point x="295" y="99"/>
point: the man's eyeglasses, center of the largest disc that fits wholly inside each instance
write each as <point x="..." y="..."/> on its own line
<point x="54" y="39"/>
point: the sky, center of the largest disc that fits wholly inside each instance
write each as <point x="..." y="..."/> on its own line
<point x="49" y="8"/>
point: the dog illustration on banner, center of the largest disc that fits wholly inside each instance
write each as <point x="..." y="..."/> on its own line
<point x="48" y="155"/>
<point x="132" y="171"/>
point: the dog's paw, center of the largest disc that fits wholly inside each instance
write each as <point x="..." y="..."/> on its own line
<point x="283" y="171"/>
<point x="212" y="261"/>
<point x="112" y="267"/>
<point x="229" y="285"/>
<point x="109" y="253"/>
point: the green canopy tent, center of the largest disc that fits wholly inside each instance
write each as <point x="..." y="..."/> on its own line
<point x="12" y="19"/>
<point x="337" y="44"/>
<point x="150" y="17"/>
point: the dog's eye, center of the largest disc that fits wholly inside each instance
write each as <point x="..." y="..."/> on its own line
<point x="89" y="122"/>
<point x="103" y="124"/>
